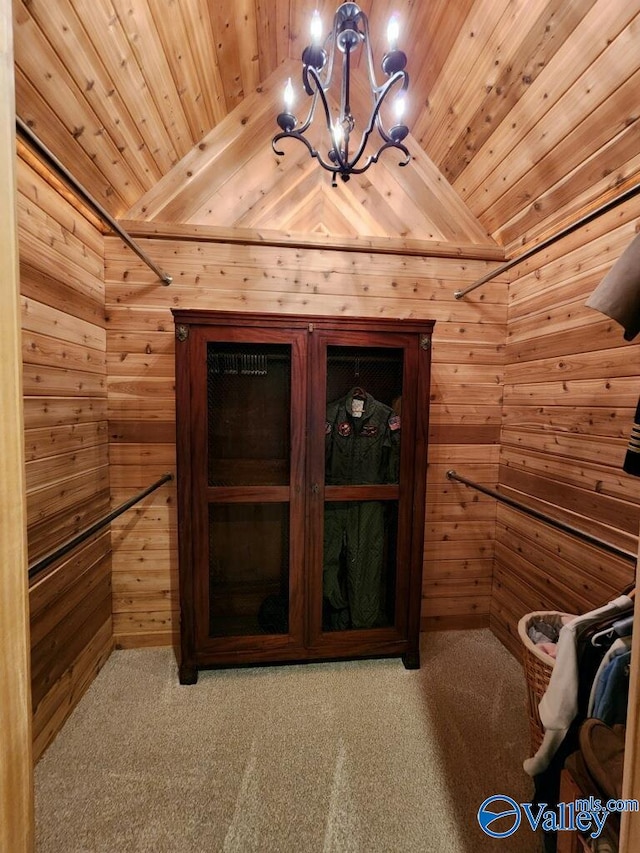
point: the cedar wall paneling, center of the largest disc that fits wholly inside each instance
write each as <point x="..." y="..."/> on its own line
<point x="66" y="445"/>
<point x="571" y="388"/>
<point x="16" y="765"/>
<point x="466" y="397"/>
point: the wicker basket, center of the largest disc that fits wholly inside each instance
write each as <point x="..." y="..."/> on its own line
<point x="538" y="667"/>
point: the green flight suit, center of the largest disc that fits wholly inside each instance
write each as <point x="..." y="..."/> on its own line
<point x="358" y="451"/>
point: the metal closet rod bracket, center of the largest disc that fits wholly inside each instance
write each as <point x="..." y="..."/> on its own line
<point x="66" y="175"/>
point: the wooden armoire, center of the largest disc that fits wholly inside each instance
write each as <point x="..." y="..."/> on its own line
<point x="302" y="448"/>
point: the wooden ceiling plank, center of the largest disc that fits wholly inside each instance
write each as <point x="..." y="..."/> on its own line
<point x="371" y="193"/>
<point x="253" y="121"/>
<point x="599" y="27"/>
<point x="367" y="220"/>
<point x="490" y="55"/>
<point x="178" y="50"/>
<point x="267" y="38"/>
<point x="605" y="74"/>
<point x="228" y="49"/>
<point x="260" y="173"/>
<point x="265" y="211"/>
<point x="432" y="190"/>
<point x="220" y="170"/>
<point x="67" y="36"/>
<point x="39" y="115"/>
<point x="589" y="185"/>
<point x="336" y="218"/>
<point x="476" y="31"/>
<point x="600" y="82"/>
<point x="545" y="37"/>
<point x="306" y="215"/>
<point x="432" y="31"/>
<point x="283" y="23"/>
<point x="605" y="134"/>
<point x="137" y="63"/>
<point x="247" y="30"/>
<point x="197" y="21"/>
<point x="42" y="66"/>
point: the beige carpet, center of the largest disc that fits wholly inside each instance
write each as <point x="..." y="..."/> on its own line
<point x="354" y="757"/>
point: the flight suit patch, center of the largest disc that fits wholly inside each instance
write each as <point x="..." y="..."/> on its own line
<point x="394" y="422"/>
<point x="344" y="429"/>
<point x="370" y="430"/>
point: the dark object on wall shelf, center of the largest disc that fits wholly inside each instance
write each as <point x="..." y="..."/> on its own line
<point x="301" y="487"/>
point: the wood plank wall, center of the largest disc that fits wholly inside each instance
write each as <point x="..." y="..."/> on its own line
<point x="466" y="397"/>
<point x="66" y="442"/>
<point x="571" y="389"/>
<point x="16" y="772"/>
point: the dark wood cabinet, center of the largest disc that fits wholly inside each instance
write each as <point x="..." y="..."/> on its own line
<point x="302" y="447"/>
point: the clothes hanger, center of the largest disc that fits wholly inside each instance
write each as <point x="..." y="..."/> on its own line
<point x="620" y="628"/>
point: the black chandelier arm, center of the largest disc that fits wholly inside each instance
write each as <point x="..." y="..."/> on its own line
<point x="312" y="109"/>
<point x="375" y="116"/>
<point x="369" y="51"/>
<point x="373" y="158"/>
<point x="294" y="134"/>
<point x="405" y="85"/>
<point x="341" y="164"/>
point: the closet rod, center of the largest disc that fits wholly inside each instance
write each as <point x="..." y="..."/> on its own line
<point x="44" y="562"/>
<point x="52" y="160"/>
<point x="584" y="220"/>
<point x="553" y="522"/>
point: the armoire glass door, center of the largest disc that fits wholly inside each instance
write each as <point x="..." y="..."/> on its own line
<point x="252" y="457"/>
<point x="363" y="520"/>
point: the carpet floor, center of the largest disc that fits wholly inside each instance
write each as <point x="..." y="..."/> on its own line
<point x="349" y="757"/>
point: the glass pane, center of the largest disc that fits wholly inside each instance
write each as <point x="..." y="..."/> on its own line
<point x="248" y="569"/>
<point x="359" y="565"/>
<point x="248" y="401"/>
<point x="364" y="399"/>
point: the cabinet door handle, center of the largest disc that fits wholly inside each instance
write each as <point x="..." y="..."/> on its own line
<point x="315" y="488"/>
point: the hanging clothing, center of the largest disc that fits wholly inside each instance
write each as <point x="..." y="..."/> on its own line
<point x="618" y="294"/>
<point x="362" y="446"/>
<point x="559" y="705"/>
<point x="599" y="681"/>
<point x="612" y="694"/>
<point x="632" y="457"/>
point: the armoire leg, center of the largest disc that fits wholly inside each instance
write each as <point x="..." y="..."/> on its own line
<point x="188" y="673"/>
<point x="411" y="660"/>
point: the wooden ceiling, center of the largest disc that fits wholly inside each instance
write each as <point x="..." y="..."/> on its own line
<point x="526" y="107"/>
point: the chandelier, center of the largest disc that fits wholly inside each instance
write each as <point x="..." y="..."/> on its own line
<point x="350" y="31"/>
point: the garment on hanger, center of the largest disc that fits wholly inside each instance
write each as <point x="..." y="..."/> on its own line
<point x="564" y="706"/>
<point x="362" y="446"/>
<point x="632" y="457"/>
<point x="618" y="294"/>
<point x="559" y="705"/>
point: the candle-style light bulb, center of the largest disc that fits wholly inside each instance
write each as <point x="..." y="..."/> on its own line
<point x="399" y="107"/>
<point x="316" y="28"/>
<point x="393" y="32"/>
<point x="288" y="96"/>
<point x="338" y="136"/>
